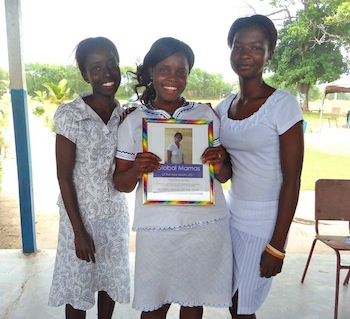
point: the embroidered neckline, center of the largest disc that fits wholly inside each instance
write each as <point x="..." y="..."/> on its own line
<point x="150" y="106"/>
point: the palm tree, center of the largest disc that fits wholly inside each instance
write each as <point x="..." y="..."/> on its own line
<point x="57" y="93"/>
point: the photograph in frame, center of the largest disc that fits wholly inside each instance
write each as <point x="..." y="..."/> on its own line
<point x="182" y="178"/>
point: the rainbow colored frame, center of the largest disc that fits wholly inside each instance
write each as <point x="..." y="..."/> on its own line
<point x="202" y="189"/>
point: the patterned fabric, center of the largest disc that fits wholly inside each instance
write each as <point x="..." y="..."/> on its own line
<point x="190" y="267"/>
<point x="103" y="210"/>
<point x="95" y="149"/>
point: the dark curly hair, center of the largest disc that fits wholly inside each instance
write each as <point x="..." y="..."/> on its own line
<point x="159" y="51"/>
<point x="259" y="20"/>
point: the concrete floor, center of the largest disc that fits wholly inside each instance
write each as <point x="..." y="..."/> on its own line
<point x="25" y="283"/>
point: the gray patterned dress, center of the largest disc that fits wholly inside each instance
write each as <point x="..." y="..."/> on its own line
<point x="103" y="209"/>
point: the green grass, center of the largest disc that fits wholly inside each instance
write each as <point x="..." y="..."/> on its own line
<point x="312" y="118"/>
<point x="323" y="165"/>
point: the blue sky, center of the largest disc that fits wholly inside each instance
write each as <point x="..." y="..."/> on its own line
<point x="52" y="29"/>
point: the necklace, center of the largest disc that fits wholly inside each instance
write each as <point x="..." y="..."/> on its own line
<point x="151" y="107"/>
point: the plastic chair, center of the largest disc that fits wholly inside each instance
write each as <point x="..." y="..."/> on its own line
<point x="332" y="202"/>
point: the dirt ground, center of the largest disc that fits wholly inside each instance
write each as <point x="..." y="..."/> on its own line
<point x="45" y="190"/>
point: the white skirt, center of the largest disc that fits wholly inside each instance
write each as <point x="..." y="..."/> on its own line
<point x="191" y="267"/>
<point x="252" y="288"/>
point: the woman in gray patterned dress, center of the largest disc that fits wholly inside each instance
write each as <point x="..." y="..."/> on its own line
<point x="92" y="252"/>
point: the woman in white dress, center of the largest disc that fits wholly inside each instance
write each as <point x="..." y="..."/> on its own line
<point x="183" y="252"/>
<point x="92" y="252"/>
<point x="175" y="153"/>
<point x="261" y="129"/>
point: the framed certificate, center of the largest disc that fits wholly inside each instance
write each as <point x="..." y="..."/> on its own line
<point x="182" y="179"/>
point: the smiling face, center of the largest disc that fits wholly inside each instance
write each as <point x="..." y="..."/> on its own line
<point x="178" y="138"/>
<point x="250" y="52"/>
<point x="102" y="71"/>
<point x="170" y="79"/>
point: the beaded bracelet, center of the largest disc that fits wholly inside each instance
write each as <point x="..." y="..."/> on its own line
<point x="274" y="252"/>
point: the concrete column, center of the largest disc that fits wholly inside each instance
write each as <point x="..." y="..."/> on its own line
<point x="20" y="119"/>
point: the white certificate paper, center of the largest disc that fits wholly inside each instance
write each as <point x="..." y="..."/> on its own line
<point x="186" y="181"/>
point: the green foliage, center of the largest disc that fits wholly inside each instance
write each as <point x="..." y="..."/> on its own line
<point x="337" y="24"/>
<point x="202" y="84"/>
<point x="38" y="74"/>
<point x="4" y="75"/>
<point x="3" y="123"/>
<point x="46" y="111"/>
<point x="57" y="93"/>
<point x="4" y="80"/>
<point x="340" y="96"/>
<point x="275" y="82"/>
<point x="4" y="113"/>
<point x="38" y="111"/>
<point x="312" y="118"/>
<point x="40" y="96"/>
<point x="49" y="122"/>
<point x="310" y="47"/>
<point x="127" y="81"/>
<point x="315" y="93"/>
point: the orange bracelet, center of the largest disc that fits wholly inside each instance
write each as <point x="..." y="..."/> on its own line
<point x="278" y="252"/>
<point x="272" y="253"/>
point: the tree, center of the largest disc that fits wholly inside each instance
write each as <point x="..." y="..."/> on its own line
<point x="311" y="45"/>
<point x="126" y="85"/>
<point x="202" y="84"/>
<point x="37" y="74"/>
<point x="57" y="93"/>
<point x="336" y="26"/>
